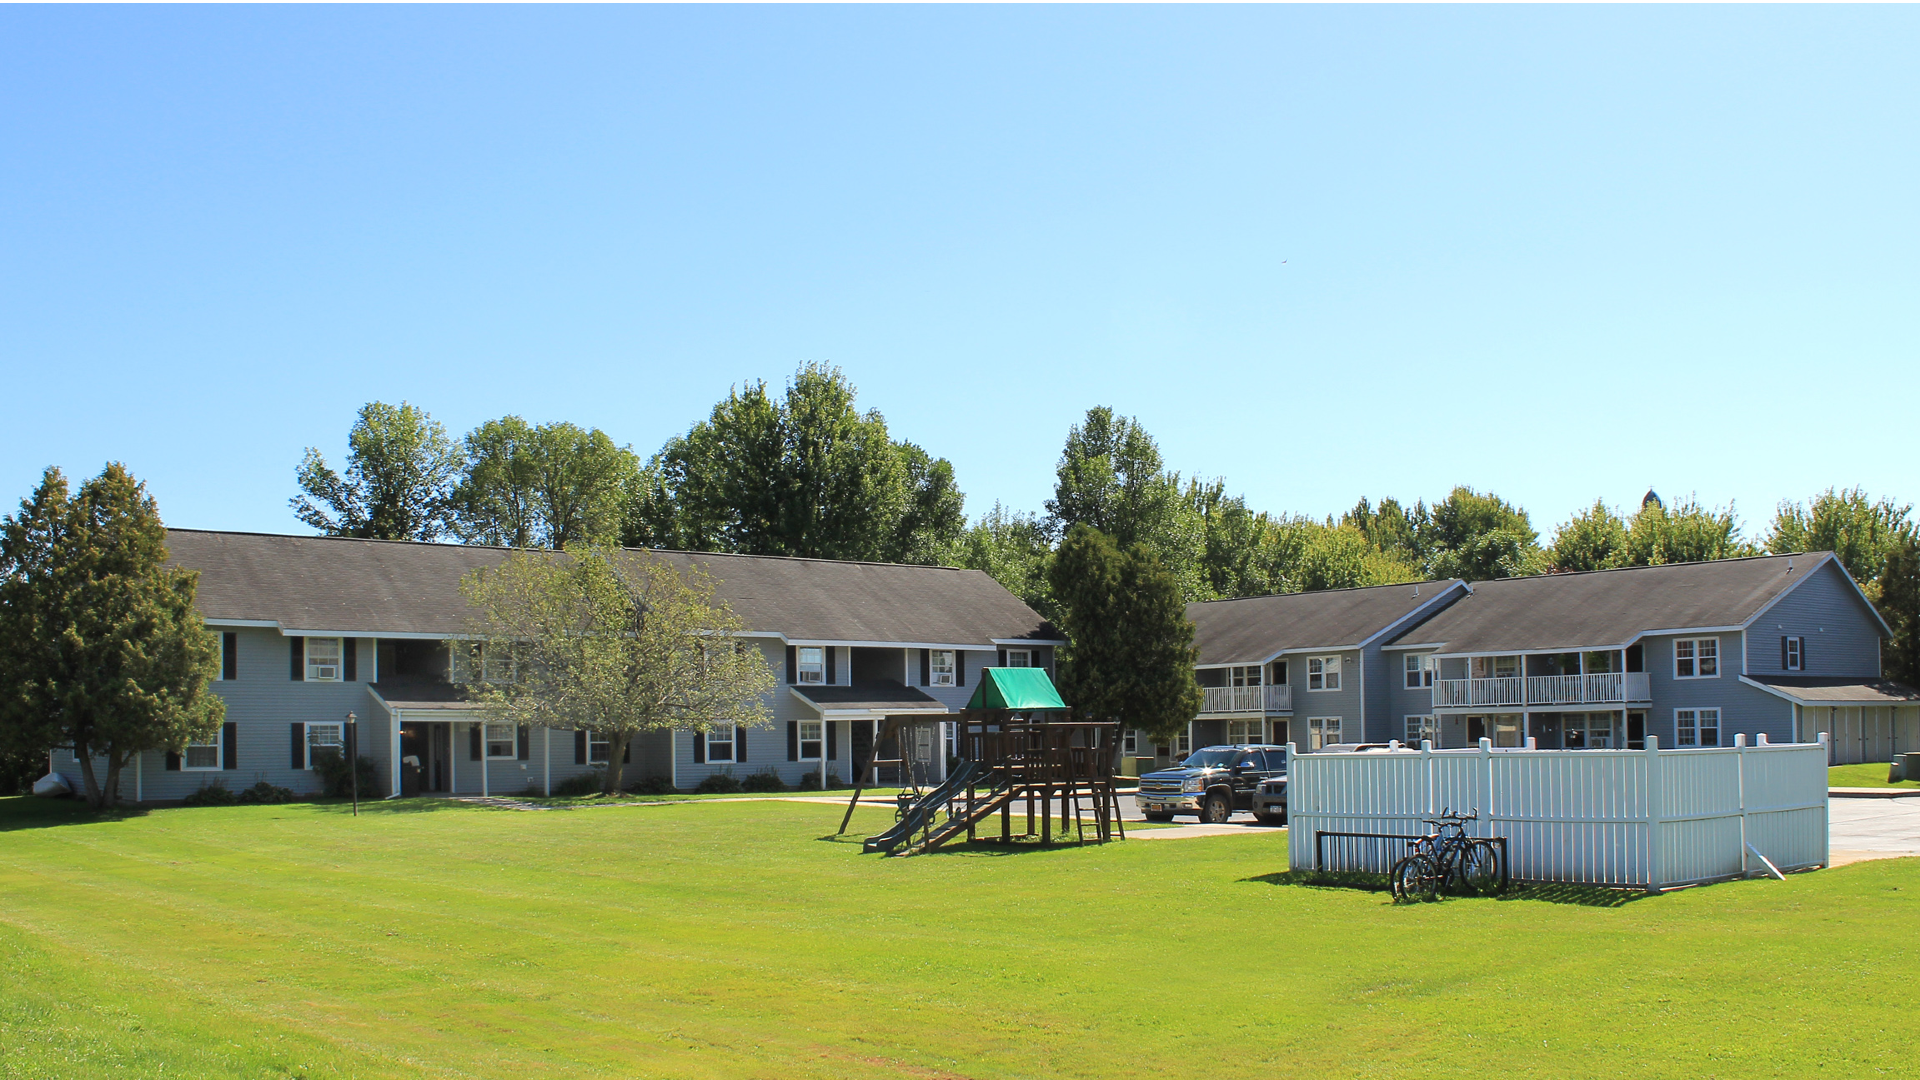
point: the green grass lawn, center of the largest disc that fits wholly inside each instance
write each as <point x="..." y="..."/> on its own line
<point x="734" y="939"/>
<point x="1867" y="775"/>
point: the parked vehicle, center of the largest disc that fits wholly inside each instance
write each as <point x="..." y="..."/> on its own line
<point x="1211" y="783"/>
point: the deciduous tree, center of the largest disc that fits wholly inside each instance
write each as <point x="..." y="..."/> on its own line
<point x="1110" y="477"/>
<point x="1899" y="588"/>
<point x="1845" y="521"/>
<point x="547" y="486"/>
<point x="101" y="647"/>
<point x="401" y="468"/>
<point x="615" y="642"/>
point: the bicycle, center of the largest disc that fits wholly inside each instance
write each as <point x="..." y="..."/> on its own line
<point x="1445" y="858"/>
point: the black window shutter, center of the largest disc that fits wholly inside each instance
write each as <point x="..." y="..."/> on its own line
<point x="230" y="656"/>
<point x="793" y="740"/>
<point x="1783" y="652"/>
<point x="473" y="742"/>
<point x="739" y="743"/>
<point x="793" y="665"/>
<point x="525" y="736"/>
<point x="626" y="753"/>
<point x="229" y="746"/>
<point x="833" y="739"/>
<point x="299" y="743"/>
<point x="699" y="748"/>
<point x="579" y="748"/>
<point x="173" y="761"/>
<point x="1003" y="658"/>
<point x="831" y="679"/>
<point x="298" y="647"/>
<point x="959" y="668"/>
<point x="926" y="667"/>
<point x="1803" y="654"/>
<point x="350" y="657"/>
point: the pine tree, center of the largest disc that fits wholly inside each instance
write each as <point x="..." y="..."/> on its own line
<point x="101" y="648"/>
<point x="1130" y="651"/>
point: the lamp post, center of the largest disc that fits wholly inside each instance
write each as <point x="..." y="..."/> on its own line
<point x="353" y="759"/>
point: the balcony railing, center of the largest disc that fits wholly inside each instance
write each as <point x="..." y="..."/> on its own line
<point x="1610" y="689"/>
<point x="1252" y="700"/>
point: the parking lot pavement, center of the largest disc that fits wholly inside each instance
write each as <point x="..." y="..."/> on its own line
<point x="1872" y="829"/>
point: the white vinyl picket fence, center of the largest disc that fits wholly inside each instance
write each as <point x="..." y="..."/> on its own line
<point x="1650" y="819"/>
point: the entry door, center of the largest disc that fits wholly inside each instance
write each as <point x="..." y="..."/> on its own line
<point x="436" y="773"/>
<point x="862" y="748"/>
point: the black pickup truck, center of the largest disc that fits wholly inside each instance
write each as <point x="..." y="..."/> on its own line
<point x="1213" y="782"/>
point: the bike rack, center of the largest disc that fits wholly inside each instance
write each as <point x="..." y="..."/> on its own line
<point x="1320" y="857"/>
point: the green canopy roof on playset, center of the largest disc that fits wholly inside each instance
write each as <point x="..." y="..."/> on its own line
<point x="1015" y="688"/>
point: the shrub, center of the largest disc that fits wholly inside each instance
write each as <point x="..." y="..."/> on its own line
<point x="584" y="784"/>
<point x="764" y="780"/>
<point x="834" y="783"/>
<point x="337" y="780"/>
<point x="652" y="785"/>
<point x="213" y="794"/>
<point x="264" y="792"/>
<point x="720" y="783"/>
<point x="809" y="782"/>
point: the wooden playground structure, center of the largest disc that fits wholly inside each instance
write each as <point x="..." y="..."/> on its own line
<point x="1010" y="761"/>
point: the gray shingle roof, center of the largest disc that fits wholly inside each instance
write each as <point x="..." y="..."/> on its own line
<point x="1819" y="690"/>
<point x="1249" y="630"/>
<point x="377" y="587"/>
<point x="870" y="696"/>
<point x="1605" y="608"/>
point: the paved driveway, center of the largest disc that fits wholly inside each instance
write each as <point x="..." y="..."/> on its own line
<point x="1872" y="828"/>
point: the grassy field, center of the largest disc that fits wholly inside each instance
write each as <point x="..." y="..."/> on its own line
<point x="733" y="939"/>
<point x="1867" y="775"/>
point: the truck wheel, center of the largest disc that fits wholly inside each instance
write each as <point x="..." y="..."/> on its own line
<point x="1157" y="815"/>
<point x="1271" y="820"/>
<point x="1216" y="810"/>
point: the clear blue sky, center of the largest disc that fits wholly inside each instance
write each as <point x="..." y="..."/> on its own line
<point x="1558" y="253"/>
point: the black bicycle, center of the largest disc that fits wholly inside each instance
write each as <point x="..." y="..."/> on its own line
<point x="1447" y="858"/>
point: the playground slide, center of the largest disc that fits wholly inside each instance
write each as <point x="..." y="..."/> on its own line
<point x="919" y="815"/>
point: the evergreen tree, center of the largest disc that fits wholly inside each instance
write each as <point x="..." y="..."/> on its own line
<point x="101" y="648"/>
<point x="1130" y="651"/>
<point x="401" y="468"/>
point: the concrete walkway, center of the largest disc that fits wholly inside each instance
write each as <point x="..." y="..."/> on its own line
<point x="1872" y="828"/>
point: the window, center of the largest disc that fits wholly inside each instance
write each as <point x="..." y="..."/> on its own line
<point x="1495" y="667"/>
<point x="1586" y="731"/>
<point x="1243" y="732"/>
<point x="1696" y="658"/>
<point x="323" y="659"/>
<point x="941" y="666"/>
<point x="1323" y="673"/>
<point x="201" y="756"/>
<point x="322" y="738"/>
<point x="1419" y="670"/>
<point x="500" y="740"/>
<point x="1696" y="727"/>
<point x="811" y="738"/>
<point x="1323" y="731"/>
<point x="1184" y="744"/>
<point x="720" y="743"/>
<point x="496" y="665"/>
<point x="599" y="748"/>
<point x="1423" y="728"/>
<point x="1019" y="657"/>
<point x="1793" y="653"/>
<point x="1244" y="676"/>
<point x="813" y="664"/>
<point x="1130" y="742"/>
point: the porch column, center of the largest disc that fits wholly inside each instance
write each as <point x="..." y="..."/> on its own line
<point x="486" y="766"/>
<point x="393" y="747"/>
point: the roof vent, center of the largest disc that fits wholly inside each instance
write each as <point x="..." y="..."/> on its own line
<point x="1789" y="566"/>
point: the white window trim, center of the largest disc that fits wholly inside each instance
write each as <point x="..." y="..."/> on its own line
<point x="729" y="741"/>
<point x="1695" y="725"/>
<point x="817" y="670"/>
<point x="1317" y="730"/>
<point x="1130" y="742"/>
<point x="1241" y="676"/>
<point x="1695" y="642"/>
<point x="339" y="729"/>
<point x="1796" y="653"/>
<point x="513" y="742"/>
<point x="936" y="676"/>
<point x="1417" y="671"/>
<point x="1025" y="656"/>
<point x="819" y="740"/>
<point x="1329" y="674"/>
<point x="599" y="739"/>
<point x="339" y="664"/>
<point x="1428" y="726"/>
<point x="1255" y="739"/>
<point x="219" y="750"/>
<point x="220" y="647"/>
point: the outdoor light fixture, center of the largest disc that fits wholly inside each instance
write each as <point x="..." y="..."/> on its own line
<point x="353" y="758"/>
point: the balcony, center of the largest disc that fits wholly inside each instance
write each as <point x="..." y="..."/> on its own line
<point x="1245" y="700"/>
<point x="1617" y="688"/>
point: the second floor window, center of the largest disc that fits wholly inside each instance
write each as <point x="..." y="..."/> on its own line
<point x="1419" y="670"/>
<point x="1323" y="673"/>
<point x="1245" y="676"/>
<point x="1696" y="658"/>
<point x="323" y="659"/>
<point x="813" y="664"/>
<point x="1793" y="653"/>
<point x="940" y="667"/>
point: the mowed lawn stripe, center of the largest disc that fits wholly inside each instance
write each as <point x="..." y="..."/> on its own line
<point x="732" y="940"/>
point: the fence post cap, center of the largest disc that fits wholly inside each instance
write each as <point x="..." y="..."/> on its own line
<point x="1653" y="743"/>
<point x="1740" y="739"/>
<point x="1486" y="744"/>
<point x="1760" y="739"/>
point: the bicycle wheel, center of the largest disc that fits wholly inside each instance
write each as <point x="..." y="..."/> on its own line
<point x="1413" y="878"/>
<point x="1480" y="869"/>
